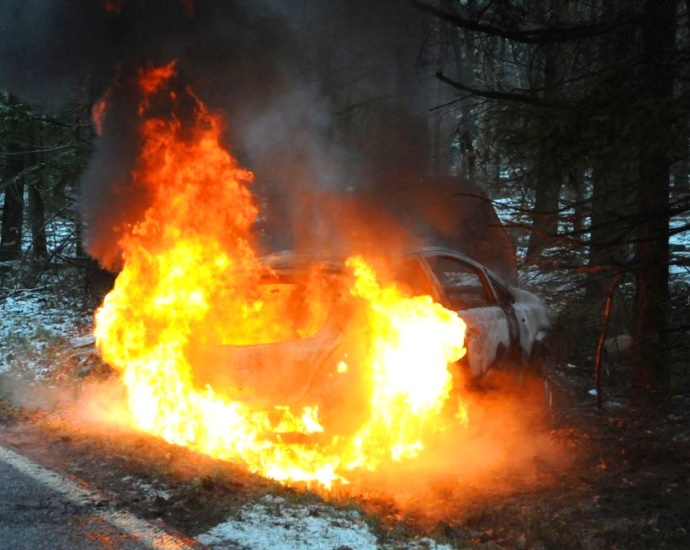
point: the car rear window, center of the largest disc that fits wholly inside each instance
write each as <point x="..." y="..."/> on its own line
<point x="278" y="309"/>
<point x="303" y="308"/>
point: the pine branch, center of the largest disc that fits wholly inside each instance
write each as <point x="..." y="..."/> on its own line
<point x="540" y="36"/>
<point x="503" y="96"/>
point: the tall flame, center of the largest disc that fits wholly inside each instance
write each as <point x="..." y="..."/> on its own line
<point x="190" y="271"/>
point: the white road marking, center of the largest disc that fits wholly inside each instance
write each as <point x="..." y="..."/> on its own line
<point x="143" y="531"/>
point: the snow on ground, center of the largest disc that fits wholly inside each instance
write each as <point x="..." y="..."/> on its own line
<point x="35" y="323"/>
<point x="275" y="523"/>
<point x="680" y="246"/>
<point x="28" y="313"/>
<point x="291" y="526"/>
<point x="31" y="321"/>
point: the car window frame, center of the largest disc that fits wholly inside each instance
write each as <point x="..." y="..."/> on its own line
<point x="500" y="288"/>
<point x="489" y="291"/>
<point x="436" y="291"/>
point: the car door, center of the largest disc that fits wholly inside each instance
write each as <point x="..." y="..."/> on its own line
<point x="507" y="301"/>
<point x="465" y="288"/>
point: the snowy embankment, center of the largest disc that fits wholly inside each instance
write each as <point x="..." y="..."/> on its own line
<point x="32" y="324"/>
<point x="274" y="522"/>
<point x="43" y="338"/>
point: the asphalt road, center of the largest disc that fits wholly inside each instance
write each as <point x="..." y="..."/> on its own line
<point x="40" y="509"/>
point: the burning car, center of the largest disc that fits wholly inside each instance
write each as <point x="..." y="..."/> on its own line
<point x="227" y="352"/>
<point x="313" y="357"/>
<point x="505" y="324"/>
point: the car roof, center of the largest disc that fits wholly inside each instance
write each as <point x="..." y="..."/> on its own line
<point x="335" y="260"/>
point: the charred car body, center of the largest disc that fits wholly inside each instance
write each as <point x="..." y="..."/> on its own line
<point x="306" y="365"/>
<point x="504" y="323"/>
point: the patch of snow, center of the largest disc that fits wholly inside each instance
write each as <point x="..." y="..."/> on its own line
<point x="680" y="246"/>
<point x="33" y="321"/>
<point x="273" y="522"/>
<point x="27" y="314"/>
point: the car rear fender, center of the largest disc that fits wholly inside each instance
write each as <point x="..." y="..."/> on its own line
<point x="533" y="319"/>
<point x="487" y="334"/>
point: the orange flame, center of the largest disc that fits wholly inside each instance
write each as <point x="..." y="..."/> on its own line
<point x="190" y="273"/>
<point x="98" y="112"/>
<point x="114" y="7"/>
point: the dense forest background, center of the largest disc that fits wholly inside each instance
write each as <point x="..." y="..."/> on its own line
<point x="571" y="114"/>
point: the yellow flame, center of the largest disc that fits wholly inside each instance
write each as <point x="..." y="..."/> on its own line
<point x="190" y="269"/>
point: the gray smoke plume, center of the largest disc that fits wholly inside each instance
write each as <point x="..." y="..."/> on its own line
<point x="323" y="101"/>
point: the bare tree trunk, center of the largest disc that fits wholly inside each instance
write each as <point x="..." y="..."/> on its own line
<point x="13" y="207"/>
<point x="466" y="132"/>
<point x="613" y="206"/>
<point x="548" y="178"/>
<point x="681" y="181"/>
<point x="545" y="212"/>
<point x="37" y="208"/>
<point x="614" y="169"/>
<point x="652" y="368"/>
<point x="37" y="217"/>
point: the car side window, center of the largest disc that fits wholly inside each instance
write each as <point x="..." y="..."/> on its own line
<point x="411" y="276"/>
<point x="504" y="297"/>
<point x="461" y="283"/>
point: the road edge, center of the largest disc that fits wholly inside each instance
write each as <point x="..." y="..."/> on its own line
<point x="141" y="530"/>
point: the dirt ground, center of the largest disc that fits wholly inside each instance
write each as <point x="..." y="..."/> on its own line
<point x="621" y="480"/>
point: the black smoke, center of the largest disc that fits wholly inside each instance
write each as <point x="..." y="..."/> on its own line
<point x="324" y="99"/>
<point x="240" y="58"/>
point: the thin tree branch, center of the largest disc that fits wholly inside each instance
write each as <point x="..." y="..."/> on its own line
<point x="544" y="35"/>
<point x="602" y="337"/>
<point x="504" y="96"/>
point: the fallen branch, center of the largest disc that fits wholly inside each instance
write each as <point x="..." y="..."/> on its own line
<point x="602" y="337"/>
